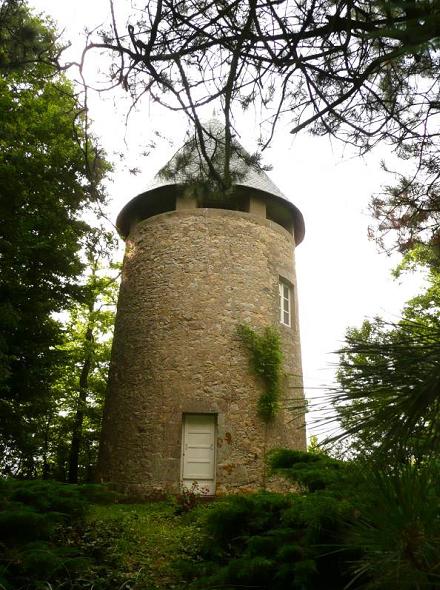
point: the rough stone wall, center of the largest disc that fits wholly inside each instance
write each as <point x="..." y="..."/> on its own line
<point x="189" y="278"/>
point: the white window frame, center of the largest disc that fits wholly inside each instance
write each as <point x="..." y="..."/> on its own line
<point x="285" y="302"/>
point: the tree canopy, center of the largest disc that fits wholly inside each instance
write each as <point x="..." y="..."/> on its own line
<point x="26" y="41"/>
<point x="360" y="70"/>
<point x="389" y="376"/>
<point x="50" y="171"/>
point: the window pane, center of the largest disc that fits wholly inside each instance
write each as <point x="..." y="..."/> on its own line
<point x="284" y="302"/>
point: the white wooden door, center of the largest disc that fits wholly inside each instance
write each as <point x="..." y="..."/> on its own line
<point x="198" y="453"/>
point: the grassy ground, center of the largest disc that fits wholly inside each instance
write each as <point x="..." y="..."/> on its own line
<point x="137" y="544"/>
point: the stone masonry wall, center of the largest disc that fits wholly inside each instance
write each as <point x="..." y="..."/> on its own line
<point x="189" y="278"/>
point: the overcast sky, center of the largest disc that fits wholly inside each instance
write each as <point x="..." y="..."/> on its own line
<point x="342" y="278"/>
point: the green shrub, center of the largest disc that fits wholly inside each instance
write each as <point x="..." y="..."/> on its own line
<point x="275" y="542"/>
<point x="312" y="470"/>
<point x="21" y="524"/>
<point x="37" y="532"/>
<point x="45" y="496"/>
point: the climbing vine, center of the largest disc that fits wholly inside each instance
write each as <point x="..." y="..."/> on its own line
<point x="266" y="360"/>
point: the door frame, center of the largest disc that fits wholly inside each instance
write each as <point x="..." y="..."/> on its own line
<point x="182" y="445"/>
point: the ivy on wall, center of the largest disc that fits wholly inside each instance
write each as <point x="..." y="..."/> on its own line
<point x="266" y="361"/>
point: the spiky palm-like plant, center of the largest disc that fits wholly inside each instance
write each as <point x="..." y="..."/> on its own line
<point x="399" y="537"/>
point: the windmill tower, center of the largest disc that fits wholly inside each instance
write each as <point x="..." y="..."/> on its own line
<point x="182" y="400"/>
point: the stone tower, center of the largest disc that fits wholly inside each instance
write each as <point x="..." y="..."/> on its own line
<point x="182" y="400"/>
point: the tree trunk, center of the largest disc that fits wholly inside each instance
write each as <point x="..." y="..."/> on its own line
<point x="75" y="445"/>
<point x="46" y="469"/>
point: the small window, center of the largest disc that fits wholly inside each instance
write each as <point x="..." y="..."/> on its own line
<point x="285" y="303"/>
<point x="234" y="203"/>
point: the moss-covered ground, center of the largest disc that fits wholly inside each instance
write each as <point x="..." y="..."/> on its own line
<point x="137" y="545"/>
<point x="57" y="536"/>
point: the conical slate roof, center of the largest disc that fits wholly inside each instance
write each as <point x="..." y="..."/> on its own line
<point x="188" y="166"/>
<point x="246" y="174"/>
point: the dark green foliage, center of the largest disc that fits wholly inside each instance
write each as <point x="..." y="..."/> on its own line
<point x="25" y="41"/>
<point x="23" y="524"/>
<point x="371" y="530"/>
<point x="389" y="377"/>
<point x="33" y="517"/>
<point x="50" y="171"/>
<point x="87" y="345"/>
<point x="389" y="410"/>
<point x="353" y="525"/>
<point x="266" y="359"/>
<point x="312" y="470"/>
<point x="274" y="542"/>
<point x="55" y="535"/>
<point x="398" y="534"/>
<point x="292" y="541"/>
